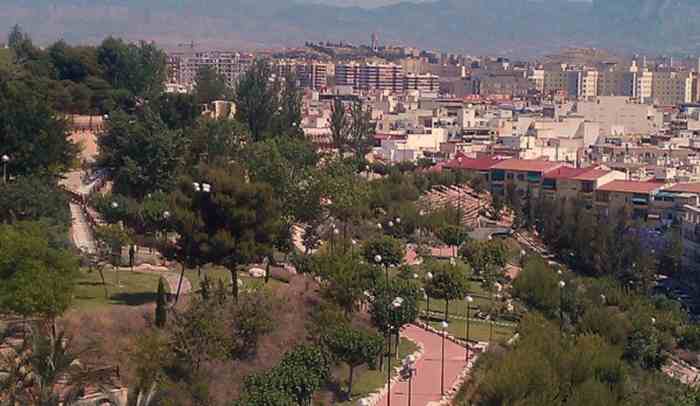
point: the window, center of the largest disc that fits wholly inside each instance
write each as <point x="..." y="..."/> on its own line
<point x="533" y="177"/>
<point x="509" y="176"/>
<point x="587" y="187"/>
<point x="521" y="177"/>
<point x="549" y="184"/>
<point x="601" y="196"/>
<point x="498" y="176"/>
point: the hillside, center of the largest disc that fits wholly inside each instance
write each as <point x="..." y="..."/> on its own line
<point x="517" y="27"/>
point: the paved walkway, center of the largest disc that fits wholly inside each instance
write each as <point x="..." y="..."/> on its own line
<point x="426" y="382"/>
<point x="80" y="230"/>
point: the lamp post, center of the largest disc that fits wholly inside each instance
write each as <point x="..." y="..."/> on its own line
<point x="562" y="285"/>
<point x="5" y="161"/>
<point x="444" y="326"/>
<point x="395" y="304"/>
<point x="409" y="369"/>
<point x="469" y="301"/>
<point x="428" y="277"/>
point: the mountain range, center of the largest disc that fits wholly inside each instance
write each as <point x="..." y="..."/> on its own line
<point x="506" y="27"/>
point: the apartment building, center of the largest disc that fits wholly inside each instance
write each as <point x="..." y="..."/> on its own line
<point x="184" y="66"/>
<point x="672" y="88"/>
<point x="611" y="197"/>
<point x="424" y="83"/>
<point x="370" y="76"/>
<point x="690" y="229"/>
<point x="616" y="83"/>
<point x="570" y="183"/>
<point x="525" y="174"/>
<point x="311" y="75"/>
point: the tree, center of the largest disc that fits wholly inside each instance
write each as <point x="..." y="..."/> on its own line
<point x="31" y="133"/>
<point x="449" y="282"/>
<point x="34" y="198"/>
<point x="390" y="249"/>
<point x="178" y="111"/>
<point x="671" y="261"/>
<point x="230" y="223"/>
<point x="353" y="347"/>
<point x="198" y="335"/>
<point x="215" y="141"/>
<point x="287" y="119"/>
<point x="340" y="125"/>
<point x="141" y="154"/>
<point x="361" y="129"/>
<point x="256" y="99"/>
<point x="345" y="279"/>
<point x="209" y="86"/>
<point x="36" y="279"/>
<point x="303" y="371"/>
<point x="161" y="305"/>
<point x="538" y="286"/>
<point x="139" y="68"/>
<point x="252" y="318"/>
<point x="453" y="235"/>
<point x="497" y="205"/>
<point x="263" y="389"/>
<point x="478" y="183"/>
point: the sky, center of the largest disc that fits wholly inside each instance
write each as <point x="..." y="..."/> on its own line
<point x="359" y="3"/>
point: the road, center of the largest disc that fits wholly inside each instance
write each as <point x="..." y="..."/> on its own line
<point x="426" y="382"/>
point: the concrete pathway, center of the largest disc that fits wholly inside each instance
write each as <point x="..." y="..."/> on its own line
<point x="426" y="383"/>
<point x="80" y="230"/>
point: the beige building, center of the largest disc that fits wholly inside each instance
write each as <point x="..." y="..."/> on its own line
<point x="611" y="197"/>
<point x="615" y="114"/>
<point x="672" y="88"/>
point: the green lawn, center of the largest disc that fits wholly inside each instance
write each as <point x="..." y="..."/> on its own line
<point x="215" y="274"/>
<point x="369" y="381"/>
<point x="133" y="289"/>
<point x="478" y="330"/>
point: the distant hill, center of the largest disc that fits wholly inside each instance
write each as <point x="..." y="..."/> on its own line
<point x="516" y="27"/>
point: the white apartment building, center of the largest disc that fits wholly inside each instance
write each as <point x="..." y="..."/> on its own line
<point x="184" y="66"/>
<point x="369" y="76"/>
<point x="589" y="84"/>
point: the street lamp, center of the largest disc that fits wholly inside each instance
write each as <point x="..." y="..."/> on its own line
<point x="5" y="160"/>
<point x="469" y="301"/>
<point x="395" y="304"/>
<point x="444" y="326"/>
<point x="562" y="285"/>
<point x="409" y="369"/>
<point x="428" y="277"/>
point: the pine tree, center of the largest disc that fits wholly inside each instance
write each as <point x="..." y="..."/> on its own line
<point x="161" y="305"/>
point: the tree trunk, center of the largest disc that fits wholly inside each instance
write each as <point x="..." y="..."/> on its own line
<point x="352" y="372"/>
<point x="398" y="342"/>
<point x="104" y="282"/>
<point x="234" y="282"/>
<point x="267" y="269"/>
<point x="179" y="283"/>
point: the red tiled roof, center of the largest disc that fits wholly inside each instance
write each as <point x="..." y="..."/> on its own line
<point x="566" y="172"/>
<point x="592" y="174"/>
<point x="479" y="164"/>
<point x="527" y="165"/>
<point x="685" y="188"/>
<point x="628" y="186"/>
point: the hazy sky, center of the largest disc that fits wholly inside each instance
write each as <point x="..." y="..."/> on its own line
<point x="360" y="3"/>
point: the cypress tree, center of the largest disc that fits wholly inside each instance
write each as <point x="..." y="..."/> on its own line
<point x="161" y="305"/>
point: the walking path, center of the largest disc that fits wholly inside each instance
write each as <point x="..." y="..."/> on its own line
<point x="426" y="382"/>
<point x="80" y="230"/>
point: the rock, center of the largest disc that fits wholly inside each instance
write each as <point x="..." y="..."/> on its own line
<point x="256" y="273"/>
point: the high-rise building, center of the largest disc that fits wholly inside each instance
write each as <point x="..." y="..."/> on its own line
<point x="312" y="75"/>
<point x="184" y="66"/>
<point x="369" y="76"/>
<point x="672" y="88"/>
<point x="424" y="83"/>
